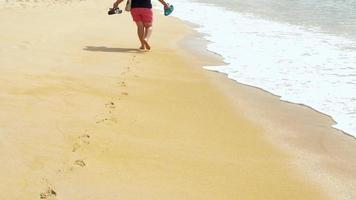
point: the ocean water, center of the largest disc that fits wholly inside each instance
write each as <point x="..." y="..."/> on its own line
<point x="301" y="50"/>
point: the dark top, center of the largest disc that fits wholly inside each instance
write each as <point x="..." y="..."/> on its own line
<point x="141" y="4"/>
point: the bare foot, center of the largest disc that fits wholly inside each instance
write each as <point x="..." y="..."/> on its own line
<point x="148" y="47"/>
<point x="142" y="47"/>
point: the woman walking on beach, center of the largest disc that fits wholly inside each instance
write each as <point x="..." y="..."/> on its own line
<point x="141" y="11"/>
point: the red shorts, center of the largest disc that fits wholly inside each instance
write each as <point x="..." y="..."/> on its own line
<point x="144" y="15"/>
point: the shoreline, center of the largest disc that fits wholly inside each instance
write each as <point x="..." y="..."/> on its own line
<point x="113" y="123"/>
<point x="331" y="133"/>
<point x="217" y="60"/>
<point x="201" y="42"/>
<point x="203" y="45"/>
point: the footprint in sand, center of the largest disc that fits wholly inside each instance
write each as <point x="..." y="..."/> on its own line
<point x="106" y="120"/>
<point x="133" y="59"/>
<point x="24" y="44"/>
<point x="81" y="140"/>
<point x="68" y="168"/>
<point x="80" y="163"/>
<point x="102" y="120"/>
<point x="49" y="194"/>
<point x="123" y="84"/>
<point x="110" y="105"/>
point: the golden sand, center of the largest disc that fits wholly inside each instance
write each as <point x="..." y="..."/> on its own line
<point x="85" y="116"/>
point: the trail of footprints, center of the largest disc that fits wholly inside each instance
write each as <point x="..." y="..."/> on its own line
<point x="84" y="140"/>
<point x="111" y="105"/>
<point x="81" y="141"/>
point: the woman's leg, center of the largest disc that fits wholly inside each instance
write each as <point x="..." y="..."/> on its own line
<point x="148" y="32"/>
<point x="141" y="34"/>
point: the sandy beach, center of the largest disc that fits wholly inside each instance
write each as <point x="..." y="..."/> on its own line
<point x="86" y="116"/>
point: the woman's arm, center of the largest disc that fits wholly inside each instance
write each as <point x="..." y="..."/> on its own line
<point x="116" y="4"/>
<point x="163" y="3"/>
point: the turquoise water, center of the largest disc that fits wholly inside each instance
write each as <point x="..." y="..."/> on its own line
<point x="330" y="16"/>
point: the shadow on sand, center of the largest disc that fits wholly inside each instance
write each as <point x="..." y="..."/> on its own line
<point x="109" y="49"/>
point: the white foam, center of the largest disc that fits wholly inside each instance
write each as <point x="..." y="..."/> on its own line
<point x="302" y="66"/>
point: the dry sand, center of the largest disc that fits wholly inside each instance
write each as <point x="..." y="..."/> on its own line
<point x="85" y="116"/>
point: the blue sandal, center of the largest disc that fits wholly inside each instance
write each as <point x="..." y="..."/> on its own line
<point x="169" y="10"/>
